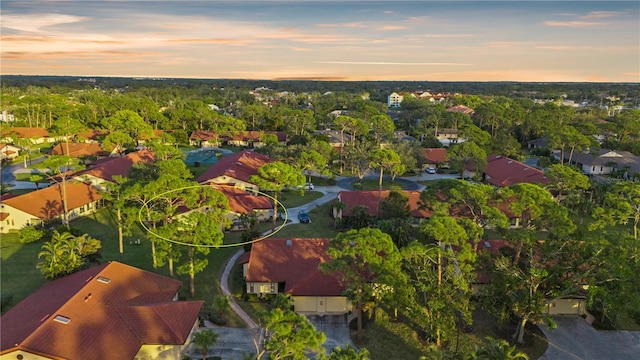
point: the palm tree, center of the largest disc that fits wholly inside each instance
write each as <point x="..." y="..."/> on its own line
<point x="337" y="206"/>
<point x="56" y="256"/>
<point x="498" y="349"/>
<point x="203" y="339"/>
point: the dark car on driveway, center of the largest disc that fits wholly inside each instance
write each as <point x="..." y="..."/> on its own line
<point x="303" y="217"/>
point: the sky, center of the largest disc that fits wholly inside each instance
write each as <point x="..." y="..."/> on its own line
<point x="542" y="41"/>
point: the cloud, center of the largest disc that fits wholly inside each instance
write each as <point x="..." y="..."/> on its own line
<point x="506" y="44"/>
<point x="446" y="36"/>
<point x="574" y="23"/>
<point x="601" y="14"/>
<point x="38" y="22"/>
<point x="393" y="63"/>
<point x="559" y="47"/>
<point x="391" y="27"/>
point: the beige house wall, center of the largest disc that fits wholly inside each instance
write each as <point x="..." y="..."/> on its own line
<point x="16" y="220"/>
<point x="165" y="352"/>
<point x="321" y="304"/>
<point x="239" y="184"/>
<point x="566" y="307"/>
<point x="262" y="288"/>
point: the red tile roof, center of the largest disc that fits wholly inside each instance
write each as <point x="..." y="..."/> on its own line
<point x="77" y="150"/>
<point x="241" y="166"/>
<point x="106" y="320"/>
<point x="46" y="203"/>
<point x="369" y="199"/>
<point x="502" y="171"/>
<point x="295" y="263"/>
<point x="26" y="132"/>
<point x="244" y="202"/>
<point x="461" y="109"/>
<point x="117" y="165"/>
<point x="435" y="155"/>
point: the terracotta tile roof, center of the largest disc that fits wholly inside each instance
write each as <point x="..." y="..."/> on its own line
<point x="77" y="150"/>
<point x="26" y="132"/>
<point x="91" y="134"/>
<point x="461" y="109"/>
<point x="46" y="203"/>
<point x="435" y="155"/>
<point x="3" y="215"/>
<point x="295" y="263"/>
<point x="369" y="199"/>
<point x="239" y="166"/>
<point x="502" y="171"/>
<point x="244" y="202"/>
<point x="102" y="325"/>
<point x="117" y="165"/>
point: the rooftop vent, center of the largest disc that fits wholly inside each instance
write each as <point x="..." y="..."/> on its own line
<point x="487" y="244"/>
<point x="104" y="280"/>
<point x="288" y="243"/>
<point x="61" y="319"/>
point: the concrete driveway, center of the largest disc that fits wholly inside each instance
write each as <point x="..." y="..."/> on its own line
<point x="575" y="339"/>
<point x="335" y="328"/>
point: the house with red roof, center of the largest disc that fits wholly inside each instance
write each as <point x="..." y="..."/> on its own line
<point x="254" y="139"/>
<point x="46" y="205"/>
<point x="491" y="249"/>
<point x="110" y="311"/>
<point x="105" y="170"/>
<point x="461" y="109"/>
<point x="291" y="266"/>
<point x="8" y="152"/>
<point x="502" y="171"/>
<point x="80" y="150"/>
<point x="435" y="157"/>
<point x="235" y="170"/>
<point x="36" y="135"/>
<point x="369" y="199"/>
<point x="242" y="202"/>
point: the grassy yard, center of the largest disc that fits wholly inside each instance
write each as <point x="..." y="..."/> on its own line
<point x="388" y="339"/>
<point x="372" y="184"/>
<point x="19" y="276"/>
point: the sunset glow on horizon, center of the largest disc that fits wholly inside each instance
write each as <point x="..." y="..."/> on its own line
<point x="528" y="41"/>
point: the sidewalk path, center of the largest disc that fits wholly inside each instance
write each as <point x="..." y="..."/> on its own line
<point x="224" y="284"/>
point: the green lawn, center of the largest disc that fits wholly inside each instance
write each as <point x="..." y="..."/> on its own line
<point x="19" y="276"/>
<point x="371" y="184"/>
<point x="291" y="199"/>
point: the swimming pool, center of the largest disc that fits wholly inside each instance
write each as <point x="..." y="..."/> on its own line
<point x="202" y="156"/>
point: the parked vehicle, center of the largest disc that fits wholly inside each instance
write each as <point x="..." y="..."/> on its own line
<point x="431" y="170"/>
<point x="303" y="217"/>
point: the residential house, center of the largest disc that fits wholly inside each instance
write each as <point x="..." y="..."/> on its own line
<point x="5" y="116"/>
<point x="235" y="170"/>
<point x="242" y="202"/>
<point x="570" y="305"/>
<point x="435" y="157"/>
<point x="502" y="171"/>
<point x="395" y="99"/>
<point x="8" y="152"/>
<point x="461" y="109"/>
<point x="80" y="150"/>
<point x="255" y="139"/>
<point x="45" y="205"/>
<point x="448" y="136"/>
<point x="110" y="311"/>
<point x="36" y="135"/>
<point x="369" y="199"/>
<point x="539" y="143"/>
<point x="252" y="138"/>
<point x="335" y="138"/>
<point x="291" y="266"/>
<point x="605" y="161"/>
<point x="105" y="171"/>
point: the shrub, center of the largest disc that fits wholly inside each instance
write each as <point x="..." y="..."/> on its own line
<point x="30" y="234"/>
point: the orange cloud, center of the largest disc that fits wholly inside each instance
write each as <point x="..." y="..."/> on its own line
<point x="600" y="14"/>
<point x="573" y="23"/>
